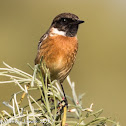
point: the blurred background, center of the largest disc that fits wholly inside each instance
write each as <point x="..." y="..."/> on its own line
<point x="100" y="68"/>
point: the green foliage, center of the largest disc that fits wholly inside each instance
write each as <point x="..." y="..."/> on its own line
<point x="46" y="110"/>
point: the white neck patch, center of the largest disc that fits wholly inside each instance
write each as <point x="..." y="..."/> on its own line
<point x="55" y="31"/>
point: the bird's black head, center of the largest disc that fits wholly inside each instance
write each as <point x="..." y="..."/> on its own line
<point x="66" y="23"/>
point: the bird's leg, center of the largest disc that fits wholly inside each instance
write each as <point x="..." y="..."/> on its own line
<point x="62" y="108"/>
<point x="65" y="107"/>
<point x="63" y="103"/>
<point x="65" y="99"/>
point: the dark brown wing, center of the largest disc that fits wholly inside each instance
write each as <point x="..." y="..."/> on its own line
<point x="37" y="59"/>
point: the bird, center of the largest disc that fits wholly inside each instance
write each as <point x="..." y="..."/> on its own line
<point x="59" y="45"/>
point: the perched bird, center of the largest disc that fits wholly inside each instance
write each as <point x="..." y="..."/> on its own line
<point x="59" y="45"/>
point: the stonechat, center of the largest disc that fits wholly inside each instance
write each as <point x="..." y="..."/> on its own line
<point x="59" y="45"/>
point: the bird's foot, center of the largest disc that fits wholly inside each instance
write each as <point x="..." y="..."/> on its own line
<point x="61" y="105"/>
<point x="65" y="101"/>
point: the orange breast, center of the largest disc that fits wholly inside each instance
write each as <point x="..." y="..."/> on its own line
<point x="59" y="53"/>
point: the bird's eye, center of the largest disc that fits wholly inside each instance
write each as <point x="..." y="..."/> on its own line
<point x="64" y="20"/>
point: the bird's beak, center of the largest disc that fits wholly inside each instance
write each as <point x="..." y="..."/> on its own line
<point x="77" y="22"/>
